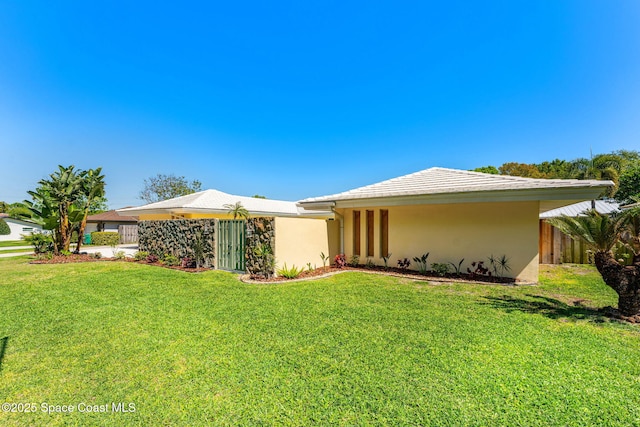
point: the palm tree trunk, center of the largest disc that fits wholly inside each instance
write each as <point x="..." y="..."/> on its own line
<point x="625" y="280"/>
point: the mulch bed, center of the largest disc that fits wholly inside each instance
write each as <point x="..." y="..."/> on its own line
<point x="392" y="271"/>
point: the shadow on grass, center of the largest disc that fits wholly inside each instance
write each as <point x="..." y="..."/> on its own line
<point x="3" y="346"/>
<point x="549" y="307"/>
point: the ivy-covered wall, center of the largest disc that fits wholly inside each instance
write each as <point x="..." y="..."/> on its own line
<point x="178" y="237"/>
<point x="260" y="232"/>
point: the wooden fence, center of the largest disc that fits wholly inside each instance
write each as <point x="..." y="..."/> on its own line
<point x="128" y="233"/>
<point x="557" y="248"/>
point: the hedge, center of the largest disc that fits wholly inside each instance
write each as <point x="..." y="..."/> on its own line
<point x="105" y="238"/>
<point x="4" y="228"/>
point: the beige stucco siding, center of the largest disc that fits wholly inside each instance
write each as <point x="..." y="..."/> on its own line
<point x="301" y="240"/>
<point x="450" y="232"/>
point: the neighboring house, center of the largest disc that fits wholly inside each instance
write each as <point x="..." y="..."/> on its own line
<point x="18" y="227"/>
<point x="555" y="246"/>
<point x="452" y="214"/>
<point x="300" y="234"/>
<point x="127" y="226"/>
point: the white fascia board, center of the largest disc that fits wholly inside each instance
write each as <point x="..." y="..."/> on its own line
<point x="584" y="193"/>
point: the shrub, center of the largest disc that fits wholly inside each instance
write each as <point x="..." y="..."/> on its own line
<point x="499" y="265"/>
<point x="369" y="263"/>
<point x="421" y="262"/>
<point x="290" y="273"/>
<point x="42" y="243"/>
<point x="404" y="263"/>
<point x="478" y="269"/>
<point x="105" y="238"/>
<point x="170" y="260"/>
<point x="141" y="255"/>
<point x="96" y="255"/>
<point x="151" y="258"/>
<point x="4" y="228"/>
<point x="354" y="261"/>
<point x="440" y="268"/>
<point x="340" y="261"/>
<point x="187" y="262"/>
<point x="119" y="255"/>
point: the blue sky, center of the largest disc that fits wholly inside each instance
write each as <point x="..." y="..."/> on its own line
<point x="299" y="99"/>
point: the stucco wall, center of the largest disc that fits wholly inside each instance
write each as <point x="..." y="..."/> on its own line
<point x="454" y="231"/>
<point x="301" y="240"/>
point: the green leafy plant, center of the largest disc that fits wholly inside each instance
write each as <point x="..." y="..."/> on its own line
<point x="457" y="268"/>
<point x="96" y="255"/>
<point x="4" y="228"/>
<point x="289" y="272"/>
<point x="170" y="260"/>
<point x="354" y="261"/>
<point x="421" y="263"/>
<point x="65" y="253"/>
<point x="42" y="243"/>
<point x="500" y="265"/>
<point x="141" y="255"/>
<point x="267" y="260"/>
<point x="309" y="267"/>
<point x="119" y="255"/>
<point x="369" y="263"/>
<point x="440" y="268"/>
<point x="324" y="259"/>
<point x="198" y="249"/>
<point x="237" y="210"/>
<point x="385" y="260"/>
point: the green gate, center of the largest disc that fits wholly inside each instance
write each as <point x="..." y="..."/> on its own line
<point x="231" y="238"/>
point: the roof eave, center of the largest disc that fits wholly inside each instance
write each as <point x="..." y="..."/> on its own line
<point x="559" y="194"/>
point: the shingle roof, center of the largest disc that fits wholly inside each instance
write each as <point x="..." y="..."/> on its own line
<point x="111" y="216"/>
<point x="602" y="206"/>
<point x="438" y="180"/>
<point x="214" y="201"/>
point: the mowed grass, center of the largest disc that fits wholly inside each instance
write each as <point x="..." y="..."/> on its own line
<point x="353" y="349"/>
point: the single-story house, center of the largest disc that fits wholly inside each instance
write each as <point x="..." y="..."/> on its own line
<point x="452" y="214"/>
<point x="555" y="246"/>
<point x="18" y="227"/>
<point x="126" y="225"/>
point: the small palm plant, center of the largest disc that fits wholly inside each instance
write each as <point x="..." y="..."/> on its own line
<point x="237" y="210"/>
<point x="601" y="233"/>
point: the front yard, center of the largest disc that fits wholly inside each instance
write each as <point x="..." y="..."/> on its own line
<point x="173" y="348"/>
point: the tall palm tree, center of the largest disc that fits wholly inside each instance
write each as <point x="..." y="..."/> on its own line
<point x="237" y="210"/>
<point x="61" y="190"/>
<point x="601" y="233"/>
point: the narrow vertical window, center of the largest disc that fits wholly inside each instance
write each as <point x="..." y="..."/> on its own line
<point x="356" y="233"/>
<point x="384" y="233"/>
<point x="370" y="235"/>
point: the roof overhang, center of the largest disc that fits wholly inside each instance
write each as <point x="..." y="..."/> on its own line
<point x="313" y="213"/>
<point x="549" y="198"/>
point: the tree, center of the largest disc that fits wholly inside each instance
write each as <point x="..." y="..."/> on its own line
<point x="4" y="207"/>
<point x="59" y="193"/>
<point x="629" y="185"/>
<point x="4" y="228"/>
<point x="237" y="210"/>
<point x="487" y="169"/>
<point x="521" y="169"/>
<point x="163" y="187"/>
<point x="61" y="203"/>
<point x="601" y="233"/>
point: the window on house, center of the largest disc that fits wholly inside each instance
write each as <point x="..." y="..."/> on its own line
<point x="370" y="235"/>
<point x="384" y="233"/>
<point x="356" y="233"/>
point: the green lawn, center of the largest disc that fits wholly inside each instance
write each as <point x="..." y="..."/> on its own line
<point x="353" y="349"/>
<point x="13" y="243"/>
